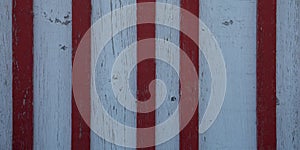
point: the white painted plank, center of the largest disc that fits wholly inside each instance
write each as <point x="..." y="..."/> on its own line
<point x="104" y="68"/>
<point x="167" y="73"/>
<point x="288" y="74"/>
<point x="5" y="74"/>
<point x="233" y="22"/>
<point x="52" y="74"/>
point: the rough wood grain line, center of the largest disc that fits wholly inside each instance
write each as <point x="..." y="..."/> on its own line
<point x="189" y="136"/>
<point x="167" y="74"/>
<point x="146" y="72"/>
<point x="288" y="74"/>
<point x="104" y="67"/>
<point x="6" y="74"/>
<point x="81" y="22"/>
<point x="52" y="74"/>
<point x="266" y="74"/>
<point x="233" y="23"/>
<point x="22" y="89"/>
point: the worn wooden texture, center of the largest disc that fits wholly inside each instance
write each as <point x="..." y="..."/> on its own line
<point x="52" y="74"/>
<point x="22" y="74"/>
<point x="104" y="68"/>
<point x="189" y="135"/>
<point x="232" y="22"/>
<point x="146" y="73"/>
<point x="167" y="74"/>
<point x="288" y="74"/>
<point x="266" y="74"/>
<point x="5" y="74"/>
<point x="234" y="25"/>
<point x="81" y="22"/>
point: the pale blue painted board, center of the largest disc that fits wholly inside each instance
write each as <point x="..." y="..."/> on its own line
<point x="52" y="74"/>
<point x="233" y="22"/>
<point x="168" y="75"/>
<point x="288" y="74"/>
<point x="5" y="74"/>
<point x="104" y="68"/>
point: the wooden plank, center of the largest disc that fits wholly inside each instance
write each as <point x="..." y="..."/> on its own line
<point x="167" y="74"/>
<point x="266" y="74"/>
<point x="22" y="88"/>
<point x="146" y="73"/>
<point x="6" y="74"/>
<point x="233" y="23"/>
<point x="81" y="22"/>
<point x="52" y="74"/>
<point x="189" y="136"/>
<point x="288" y="74"/>
<point x="104" y="67"/>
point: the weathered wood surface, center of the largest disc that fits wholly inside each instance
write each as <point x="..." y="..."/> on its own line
<point x="104" y="68"/>
<point x="266" y="74"/>
<point x="234" y="25"/>
<point x="52" y="74"/>
<point x="232" y="22"/>
<point x="22" y="74"/>
<point x="288" y="74"/>
<point x="167" y="74"/>
<point x="81" y="22"/>
<point x="5" y="74"/>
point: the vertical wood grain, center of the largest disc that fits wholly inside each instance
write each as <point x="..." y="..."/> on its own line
<point x="81" y="22"/>
<point x="288" y="74"/>
<point x="146" y="72"/>
<point x="52" y="74"/>
<point x="104" y="67"/>
<point x="6" y="74"/>
<point x="36" y="107"/>
<point x="167" y="74"/>
<point x="233" y="23"/>
<point x="189" y="136"/>
<point x="266" y="74"/>
<point x="22" y="69"/>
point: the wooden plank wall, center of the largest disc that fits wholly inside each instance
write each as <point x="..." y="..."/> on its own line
<point x="233" y="22"/>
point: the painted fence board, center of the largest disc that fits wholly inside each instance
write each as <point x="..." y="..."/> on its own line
<point x="288" y="74"/>
<point x="52" y="74"/>
<point x="234" y="25"/>
<point x="167" y="73"/>
<point x="104" y="68"/>
<point x="6" y="74"/>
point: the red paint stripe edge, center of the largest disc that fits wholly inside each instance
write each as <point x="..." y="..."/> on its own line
<point x="22" y="90"/>
<point x="81" y="22"/>
<point x="266" y="74"/>
<point x="146" y="72"/>
<point x="189" y="137"/>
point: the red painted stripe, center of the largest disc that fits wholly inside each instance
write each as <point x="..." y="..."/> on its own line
<point x="189" y="138"/>
<point x="266" y="74"/>
<point x="22" y="90"/>
<point x="146" y="72"/>
<point x="81" y="22"/>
